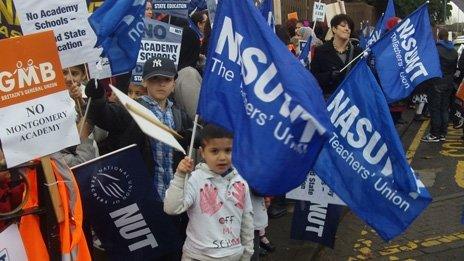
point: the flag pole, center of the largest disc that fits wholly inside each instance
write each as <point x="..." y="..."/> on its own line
<point x="194" y="132"/>
<point x="354" y="60"/>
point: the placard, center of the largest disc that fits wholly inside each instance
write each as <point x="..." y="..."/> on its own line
<point x="37" y="116"/>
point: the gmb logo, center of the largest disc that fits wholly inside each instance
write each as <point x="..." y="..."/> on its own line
<point x="26" y="75"/>
<point x="111" y="185"/>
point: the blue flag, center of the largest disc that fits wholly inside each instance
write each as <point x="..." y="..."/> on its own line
<point x="255" y="88"/>
<point x="119" y="28"/>
<point x="303" y="57"/>
<point x="364" y="37"/>
<point x="267" y="10"/>
<point x="406" y="56"/>
<point x="381" y="26"/>
<point x="316" y="222"/>
<point x="196" y="5"/>
<point x="123" y="209"/>
<point x="364" y="162"/>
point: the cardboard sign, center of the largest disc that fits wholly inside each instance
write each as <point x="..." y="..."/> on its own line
<point x="37" y="117"/>
<point x="316" y="191"/>
<point x="293" y="15"/>
<point x="319" y="12"/>
<point x="9" y="22"/>
<point x="75" y="39"/>
<point x="160" y="40"/>
<point x="177" y="8"/>
<point x="11" y="245"/>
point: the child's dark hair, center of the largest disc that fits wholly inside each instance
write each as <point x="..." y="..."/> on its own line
<point x="212" y="131"/>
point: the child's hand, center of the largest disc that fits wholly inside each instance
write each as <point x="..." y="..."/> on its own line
<point x="185" y="166"/>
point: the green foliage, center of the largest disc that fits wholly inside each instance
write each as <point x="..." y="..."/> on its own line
<point x="405" y="7"/>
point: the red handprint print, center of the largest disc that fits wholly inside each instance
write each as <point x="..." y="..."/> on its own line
<point x="239" y="194"/>
<point x="209" y="200"/>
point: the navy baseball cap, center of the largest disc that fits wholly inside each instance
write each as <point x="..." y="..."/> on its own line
<point x="159" y="66"/>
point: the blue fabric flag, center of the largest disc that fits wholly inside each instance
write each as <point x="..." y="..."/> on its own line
<point x="316" y="222"/>
<point x="363" y="38"/>
<point x="381" y="26"/>
<point x="267" y="10"/>
<point x="406" y="56"/>
<point x="364" y="162"/>
<point x="255" y="88"/>
<point x="119" y="28"/>
<point x="196" y="5"/>
<point x="303" y="57"/>
<point x="123" y="210"/>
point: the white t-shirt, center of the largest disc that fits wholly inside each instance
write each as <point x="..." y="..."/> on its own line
<point x="216" y="205"/>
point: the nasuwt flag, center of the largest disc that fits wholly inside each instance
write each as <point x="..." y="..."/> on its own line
<point x="122" y="207"/>
<point x="381" y="26"/>
<point x="267" y="10"/>
<point x="119" y="28"/>
<point x="255" y="88"/>
<point x="364" y="162"/>
<point x="406" y="56"/>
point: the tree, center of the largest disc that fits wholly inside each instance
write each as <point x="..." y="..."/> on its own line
<point x="405" y="7"/>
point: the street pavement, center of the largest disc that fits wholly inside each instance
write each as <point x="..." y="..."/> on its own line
<point x="437" y="234"/>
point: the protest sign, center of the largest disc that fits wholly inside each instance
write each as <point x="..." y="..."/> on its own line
<point x="11" y="245"/>
<point x="124" y="209"/>
<point x="278" y="118"/>
<point x="147" y="121"/>
<point x="318" y="12"/>
<point x="9" y="22"/>
<point x="93" y="5"/>
<point x="75" y="39"/>
<point x="177" y="8"/>
<point x="364" y="161"/>
<point x="36" y="114"/>
<point x="316" y="222"/>
<point x="406" y="56"/>
<point x="293" y="15"/>
<point x="100" y="69"/>
<point x="315" y="190"/>
<point x="160" y="40"/>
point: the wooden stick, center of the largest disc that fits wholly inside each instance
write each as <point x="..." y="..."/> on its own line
<point x="52" y="188"/>
<point x="148" y="118"/>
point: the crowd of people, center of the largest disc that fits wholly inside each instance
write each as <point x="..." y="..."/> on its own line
<point x="197" y="191"/>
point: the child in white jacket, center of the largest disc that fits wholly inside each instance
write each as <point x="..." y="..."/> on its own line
<point x="217" y="201"/>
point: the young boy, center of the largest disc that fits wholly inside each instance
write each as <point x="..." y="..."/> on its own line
<point x="158" y="77"/>
<point x="217" y="201"/>
<point x="136" y="91"/>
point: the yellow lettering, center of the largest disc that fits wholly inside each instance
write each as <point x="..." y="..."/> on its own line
<point x="6" y="10"/>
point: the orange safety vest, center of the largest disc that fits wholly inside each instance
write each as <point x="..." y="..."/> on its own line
<point x="73" y="243"/>
<point x="29" y="226"/>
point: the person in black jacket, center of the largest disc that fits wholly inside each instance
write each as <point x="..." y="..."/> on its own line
<point x="331" y="57"/>
<point x="158" y="77"/>
<point x="442" y="89"/>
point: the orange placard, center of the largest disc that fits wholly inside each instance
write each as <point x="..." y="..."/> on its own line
<point x="293" y="15"/>
<point x="29" y="68"/>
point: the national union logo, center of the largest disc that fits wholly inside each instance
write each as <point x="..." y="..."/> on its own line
<point x="4" y="255"/>
<point x="111" y="185"/>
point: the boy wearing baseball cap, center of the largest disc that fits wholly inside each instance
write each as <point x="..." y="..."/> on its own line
<point x="159" y="79"/>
